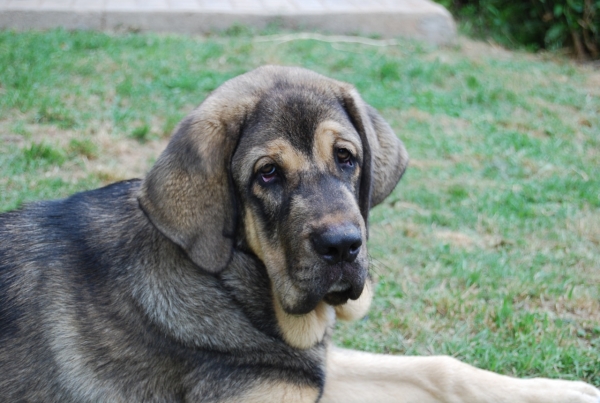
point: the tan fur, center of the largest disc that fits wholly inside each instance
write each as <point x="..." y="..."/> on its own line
<point x="332" y="219"/>
<point x="357" y="377"/>
<point x="278" y="151"/>
<point x="253" y="235"/>
<point x="353" y="310"/>
<point x="278" y="392"/>
<point x="282" y="152"/>
<point x="300" y="331"/>
<point x="304" y="331"/>
<point x="330" y="134"/>
<point x="274" y="260"/>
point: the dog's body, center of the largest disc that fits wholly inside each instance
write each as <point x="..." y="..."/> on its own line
<point x="100" y="308"/>
<point x="218" y="277"/>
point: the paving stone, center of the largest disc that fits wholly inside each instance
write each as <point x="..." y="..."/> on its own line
<point x="185" y="5"/>
<point x="421" y="19"/>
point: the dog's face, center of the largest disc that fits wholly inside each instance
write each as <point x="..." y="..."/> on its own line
<point x="285" y="163"/>
<point x="297" y="169"/>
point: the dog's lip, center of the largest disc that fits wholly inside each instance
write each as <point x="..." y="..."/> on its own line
<point x="340" y="287"/>
<point x="337" y="298"/>
<point x="346" y="281"/>
<point x="339" y="292"/>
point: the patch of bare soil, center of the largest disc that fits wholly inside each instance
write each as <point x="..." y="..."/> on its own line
<point x="587" y="225"/>
<point x="115" y="157"/>
<point x="456" y="238"/>
<point x="593" y="82"/>
<point x="125" y="158"/>
<point x="475" y="50"/>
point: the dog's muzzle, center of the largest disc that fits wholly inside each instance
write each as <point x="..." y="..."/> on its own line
<point x="339" y="247"/>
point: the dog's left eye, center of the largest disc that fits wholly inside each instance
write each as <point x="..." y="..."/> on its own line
<point x="268" y="173"/>
<point x="344" y="157"/>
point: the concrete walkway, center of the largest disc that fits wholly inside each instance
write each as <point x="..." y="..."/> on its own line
<point x="421" y="19"/>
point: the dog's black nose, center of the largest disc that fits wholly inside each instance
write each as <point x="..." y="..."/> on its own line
<point x="336" y="245"/>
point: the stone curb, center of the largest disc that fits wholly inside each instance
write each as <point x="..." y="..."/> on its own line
<point x="432" y="23"/>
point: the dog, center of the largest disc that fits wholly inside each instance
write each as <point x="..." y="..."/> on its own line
<point x="218" y="277"/>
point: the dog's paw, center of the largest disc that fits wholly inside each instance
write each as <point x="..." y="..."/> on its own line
<point x="560" y="391"/>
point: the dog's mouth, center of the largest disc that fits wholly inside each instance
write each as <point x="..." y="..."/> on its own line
<point x="337" y="298"/>
<point x="340" y="292"/>
<point x="337" y="294"/>
<point x="331" y="284"/>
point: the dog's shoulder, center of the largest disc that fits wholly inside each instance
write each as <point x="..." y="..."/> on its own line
<point x="61" y="239"/>
<point x="66" y="209"/>
<point x="42" y="238"/>
<point x="38" y="231"/>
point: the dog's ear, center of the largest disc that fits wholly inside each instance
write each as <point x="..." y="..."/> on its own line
<point x="388" y="154"/>
<point x="384" y="155"/>
<point x="188" y="194"/>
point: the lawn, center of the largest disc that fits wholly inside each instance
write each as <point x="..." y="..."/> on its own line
<point x="488" y="250"/>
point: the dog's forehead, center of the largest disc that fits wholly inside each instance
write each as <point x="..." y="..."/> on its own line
<point x="295" y="115"/>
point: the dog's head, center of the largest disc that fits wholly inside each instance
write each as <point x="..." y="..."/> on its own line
<point x="286" y="163"/>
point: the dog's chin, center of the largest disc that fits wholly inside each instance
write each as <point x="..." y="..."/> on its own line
<point x="303" y="306"/>
<point x="341" y="292"/>
<point x="335" y="296"/>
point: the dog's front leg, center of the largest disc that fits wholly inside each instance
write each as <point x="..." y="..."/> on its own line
<point x="354" y="376"/>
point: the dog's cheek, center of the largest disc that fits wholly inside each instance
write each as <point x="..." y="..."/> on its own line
<point x="262" y="238"/>
<point x="252" y="234"/>
<point x="295" y="231"/>
<point x="273" y="256"/>
<point x="266" y="205"/>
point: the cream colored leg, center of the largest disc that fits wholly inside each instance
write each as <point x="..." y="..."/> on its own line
<point x="359" y="377"/>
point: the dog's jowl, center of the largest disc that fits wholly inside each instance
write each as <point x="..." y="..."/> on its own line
<point x="218" y="277"/>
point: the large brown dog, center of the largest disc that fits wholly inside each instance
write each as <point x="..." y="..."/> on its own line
<point x="218" y="277"/>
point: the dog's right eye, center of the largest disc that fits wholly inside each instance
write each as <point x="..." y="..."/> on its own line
<point x="344" y="157"/>
<point x="267" y="173"/>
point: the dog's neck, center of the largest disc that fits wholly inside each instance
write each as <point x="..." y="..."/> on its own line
<point x="176" y="295"/>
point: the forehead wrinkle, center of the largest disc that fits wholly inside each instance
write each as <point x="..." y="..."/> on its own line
<point x="283" y="153"/>
<point x="293" y="110"/>
<point x="326" y="134"/>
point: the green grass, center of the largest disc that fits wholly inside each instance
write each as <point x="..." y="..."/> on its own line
<point x="488" y="250"/>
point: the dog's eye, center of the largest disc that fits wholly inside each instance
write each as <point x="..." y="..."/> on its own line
<point x="344" y="156"/>
<point x="268" y="173"/>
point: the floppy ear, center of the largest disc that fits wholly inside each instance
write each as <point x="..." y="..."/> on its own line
<point x="188" y="193"/>
<point x="388" y="154"/>
<point x="384" y="156"/>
